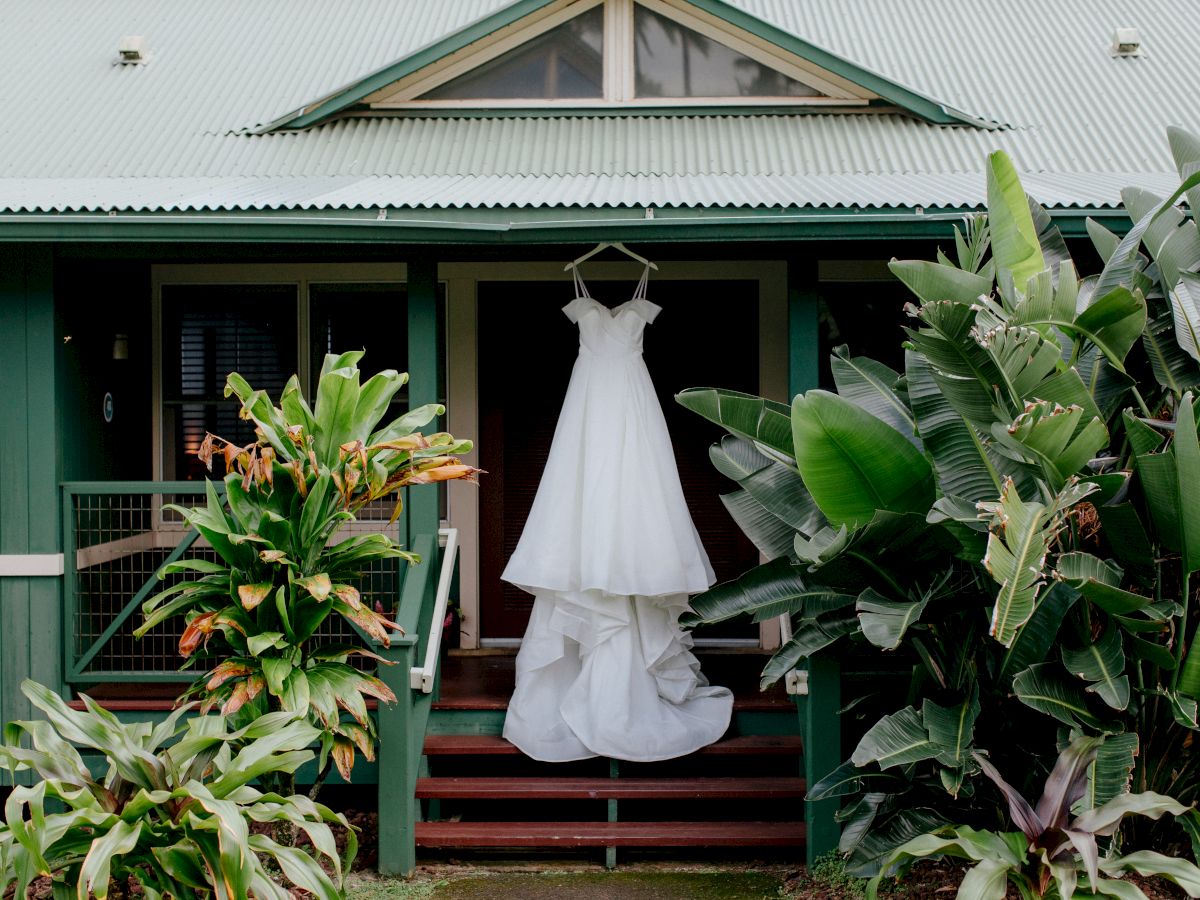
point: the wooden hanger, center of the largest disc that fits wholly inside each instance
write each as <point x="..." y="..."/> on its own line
<point x="617" y="245"/>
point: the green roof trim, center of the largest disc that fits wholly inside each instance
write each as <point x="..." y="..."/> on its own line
<point x="356" y="91"/>
<point x="920" y="105"/>
<point x="516" y="227"/>
<point x="907" y="99"/>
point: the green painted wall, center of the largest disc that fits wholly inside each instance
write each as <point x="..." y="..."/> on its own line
<point x="30" y="342"/>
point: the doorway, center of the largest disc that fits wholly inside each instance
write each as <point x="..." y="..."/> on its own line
<point x="708" y="334"/>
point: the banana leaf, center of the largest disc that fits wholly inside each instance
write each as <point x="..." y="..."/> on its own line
<point x="758" y="419"/>
<point x="853" y="464"/>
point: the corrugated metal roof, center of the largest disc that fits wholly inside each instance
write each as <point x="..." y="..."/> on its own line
<point x="78" y="133"/>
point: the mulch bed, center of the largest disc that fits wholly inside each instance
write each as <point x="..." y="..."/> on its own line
<point x="937" y="881"/>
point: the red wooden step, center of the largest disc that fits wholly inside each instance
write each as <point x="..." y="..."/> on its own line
<point x="610" y="834"/>
<point x="496" y="745"/>
<point x="493" y="745"/>
<point x="609" y="788"/>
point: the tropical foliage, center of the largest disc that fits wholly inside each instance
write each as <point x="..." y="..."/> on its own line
<point x="174" y="816"/>
<point x="1052" y="848"/>
<point x="1011" y="522"/>
<point x="283" y="567"/>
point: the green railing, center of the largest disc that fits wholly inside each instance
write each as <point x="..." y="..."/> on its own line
<point x="116" y="537"/>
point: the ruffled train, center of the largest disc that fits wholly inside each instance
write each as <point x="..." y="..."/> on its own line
<point x="610" y="675"/>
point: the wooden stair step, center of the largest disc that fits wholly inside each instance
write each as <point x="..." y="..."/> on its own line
<point x="494" y="745"/>
<point x="771" y="702"/>
<point x="609" y="834"/>
<point x="491" y="788"/>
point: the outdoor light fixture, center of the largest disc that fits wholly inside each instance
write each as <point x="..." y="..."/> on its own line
<point x="1126" y="42"/>
<point x="120" y="346"/>
<point x="132" y="49"/>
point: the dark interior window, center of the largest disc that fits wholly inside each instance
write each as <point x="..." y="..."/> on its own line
<point x="675" y="61"/>
<point x="566" y="62"/>
<point x="209" y="331"/>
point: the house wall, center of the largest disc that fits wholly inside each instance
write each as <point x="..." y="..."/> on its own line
<point x="30" y="470"/>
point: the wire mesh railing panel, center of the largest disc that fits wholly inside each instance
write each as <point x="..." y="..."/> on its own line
<point x="121" y="540"/>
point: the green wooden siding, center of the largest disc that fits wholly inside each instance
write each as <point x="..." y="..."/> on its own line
<point x="30" y="607"/>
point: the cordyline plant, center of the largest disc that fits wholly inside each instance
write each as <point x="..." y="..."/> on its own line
<point x="283" y="570"/>
<point x="1012" y="521"/>
<point x="175" y="819"/>
<point x="1054" y="847"/>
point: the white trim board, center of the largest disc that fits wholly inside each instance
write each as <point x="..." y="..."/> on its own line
<point x="31" y="565"/>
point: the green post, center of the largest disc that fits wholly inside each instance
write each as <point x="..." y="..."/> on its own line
<point x="397" y="785"/>
<point x="401" y="725"/>
<point x="30" y="531"/>
<point x="423" y="367"/>
<point x="819" y="720"/>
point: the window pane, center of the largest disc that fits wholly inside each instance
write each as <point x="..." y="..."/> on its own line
<point x="675" y="61"/>
<point x="566" y="62"/>
<point x="374" y="318"/>
<point x="209" y="331"/>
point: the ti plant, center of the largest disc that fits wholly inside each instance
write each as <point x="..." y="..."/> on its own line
<point x="1053" y="847"/>
<point x="1010" y="523"/>
<point x="175" y="819"/>
<point x="283" y="568"/>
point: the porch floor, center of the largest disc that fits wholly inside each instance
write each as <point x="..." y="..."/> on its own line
<point x="486" y="681"/>
<point x="483" y="681"/>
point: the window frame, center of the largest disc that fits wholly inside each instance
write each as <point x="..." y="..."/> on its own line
<point x="300" y="275"/>
<point x="619" y="65"/>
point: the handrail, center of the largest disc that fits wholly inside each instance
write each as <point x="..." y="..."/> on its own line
<point x="795" y="682"/>
<point x="422" y="678"/>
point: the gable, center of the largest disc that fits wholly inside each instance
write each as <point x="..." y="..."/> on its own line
<point x="620" y="54"/>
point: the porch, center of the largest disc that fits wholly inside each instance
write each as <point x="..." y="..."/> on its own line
<point x="113" y="537"/>
<point x="445" y="780"/>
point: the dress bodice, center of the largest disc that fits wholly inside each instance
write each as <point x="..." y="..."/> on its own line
<point x="615" y="332"/>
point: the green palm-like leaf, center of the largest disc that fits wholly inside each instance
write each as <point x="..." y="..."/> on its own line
<point x="1016" y="558"/>
<point x="764" y="421"/>
<point x="776" y="586"/>
<point x="1112" y="769"/>
<point x="1172" y="239"/>
<point x="1043" y="687"/>
<point x="770" y="534"/>
<point x="1015" y="245"/>
<point x="885" y="621"/>
<point x="1149" y="863"/>
<point x="966" y="467"/>
<point x="896" y="740"/>
<point x="872" y="385"/>
<point x="932" y="281"/>
<point x="810" y="636"/>
<point x="776" y="486"/>
<point x="952" y="729"/>
<point x="1098" y="580"/>
<point x="965" y="372"/>
<point x="1102" y="662"/>
<point x="853" y="464"/>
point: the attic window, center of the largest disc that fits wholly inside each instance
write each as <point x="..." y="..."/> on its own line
<point x="563" y="63"/>
<point x="673" y="60"/>
<point x="596" y="53"/>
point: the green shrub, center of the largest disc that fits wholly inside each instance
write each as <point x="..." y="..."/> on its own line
<point x="175" y="817"/>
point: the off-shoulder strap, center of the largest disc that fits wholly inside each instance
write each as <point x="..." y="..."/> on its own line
<point x="576" y="307"/>
<point x="647" y="310"/>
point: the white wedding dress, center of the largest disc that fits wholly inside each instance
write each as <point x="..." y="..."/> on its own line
<point x="610" y="553"/>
